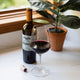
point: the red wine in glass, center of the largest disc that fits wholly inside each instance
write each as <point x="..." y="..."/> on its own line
<point x="40" y="46"/>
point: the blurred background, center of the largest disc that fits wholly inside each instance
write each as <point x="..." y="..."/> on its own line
<point x="8" y="4"/>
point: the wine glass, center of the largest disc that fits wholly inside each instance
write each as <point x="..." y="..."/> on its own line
<point x="40" y="46"/>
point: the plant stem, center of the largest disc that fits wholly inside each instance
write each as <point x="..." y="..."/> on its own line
<point x="57" y="17"/>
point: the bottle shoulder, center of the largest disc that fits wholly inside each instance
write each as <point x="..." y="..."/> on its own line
<point x="27" y="28"/>
<point x="28" y="25"/>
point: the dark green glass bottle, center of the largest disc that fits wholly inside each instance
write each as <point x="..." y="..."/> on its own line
<point x="28" y="55"/>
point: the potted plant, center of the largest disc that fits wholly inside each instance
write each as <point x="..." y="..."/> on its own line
<point x="57" y="33"/>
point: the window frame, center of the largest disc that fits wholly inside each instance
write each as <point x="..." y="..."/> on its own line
<point x="13" y="20"/>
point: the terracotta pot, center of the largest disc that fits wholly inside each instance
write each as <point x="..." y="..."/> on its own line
<point x="56" y="39"/>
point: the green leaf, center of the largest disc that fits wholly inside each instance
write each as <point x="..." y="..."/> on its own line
<point x="71" y="5"/>
<point x="46" y="15"/>
<point x="56" y="1"/>
<point x="70" y="21"/>
<point x="53" y="11"/>
<point x="40" y="4"/>
<point x="41" y="21"/>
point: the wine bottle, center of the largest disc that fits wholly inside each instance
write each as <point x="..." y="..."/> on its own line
<point x="28" y="55"/>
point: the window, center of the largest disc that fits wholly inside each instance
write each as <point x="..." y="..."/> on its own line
<point x="11" y="4"/>
<point x="13" y="19"/>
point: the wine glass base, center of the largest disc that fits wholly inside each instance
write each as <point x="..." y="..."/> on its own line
<point x="39" y="71"/>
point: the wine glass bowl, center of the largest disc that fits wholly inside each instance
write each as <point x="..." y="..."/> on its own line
<point x="40" y="46"/>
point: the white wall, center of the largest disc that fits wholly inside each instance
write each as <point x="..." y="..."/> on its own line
<point x="9" y="40"/>
<point x="73" y="34"/>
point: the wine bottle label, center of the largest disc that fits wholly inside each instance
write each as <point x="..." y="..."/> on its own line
<point x="26" y="40"/>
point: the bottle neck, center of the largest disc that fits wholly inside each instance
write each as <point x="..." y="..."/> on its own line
<point x="29" y="15"/>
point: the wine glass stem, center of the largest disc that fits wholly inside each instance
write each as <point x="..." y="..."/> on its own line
<point x="40" y="58"/>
